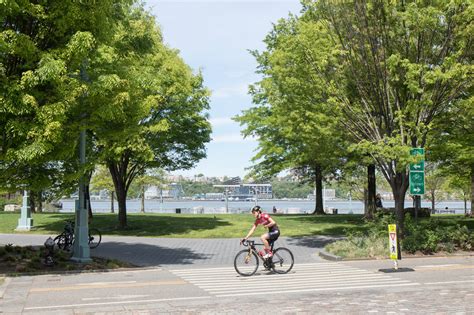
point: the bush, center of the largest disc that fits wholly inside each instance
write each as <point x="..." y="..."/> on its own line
<point x="428" y="236"/>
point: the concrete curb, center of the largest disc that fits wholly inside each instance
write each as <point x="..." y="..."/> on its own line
<point x="329" y="256"/>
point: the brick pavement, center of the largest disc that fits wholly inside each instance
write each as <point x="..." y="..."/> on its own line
<point x="144" y="251"/>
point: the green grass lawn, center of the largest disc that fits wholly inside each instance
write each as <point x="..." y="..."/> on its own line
<point x="205" y="226"/>
<point x="190" y="226"/>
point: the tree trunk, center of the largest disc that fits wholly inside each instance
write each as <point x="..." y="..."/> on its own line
<point x="472" y="190"/>
<point x="122" y="204"/>
<point x="87" y="196"/>
<point x="142" y="210"/>
<point x="40" y="201"/>
<point x="399" y="184"/>
<point x="112" y="202"/>
<point x="371" y="191"/>
<point x="319" y="207"/>
<point x="32" y="201"/>
<point x="121" y="190"/>
<point x="432" y="201"/>
<point x="365" y="202"/>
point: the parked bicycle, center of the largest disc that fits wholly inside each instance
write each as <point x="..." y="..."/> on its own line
<point x="65" y="240"/>
<point x="246" y="261"/>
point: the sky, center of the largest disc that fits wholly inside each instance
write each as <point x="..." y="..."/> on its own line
<point x="215" y="36"/>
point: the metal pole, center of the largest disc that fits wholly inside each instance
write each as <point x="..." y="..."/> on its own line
<point x="81" y="250"/>
<point x="417" y="205"/>
<point x="226" y="201"/>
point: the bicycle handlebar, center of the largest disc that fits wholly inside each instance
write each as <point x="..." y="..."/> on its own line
<point x="249" y="243"/>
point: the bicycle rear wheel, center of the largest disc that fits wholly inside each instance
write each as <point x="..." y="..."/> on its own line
<point x="246" y="263"/>
<point x="94" y="238"/>
<point x="282" y="260"/>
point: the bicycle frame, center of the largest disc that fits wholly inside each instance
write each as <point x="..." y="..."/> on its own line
<point x="252" y="249"/>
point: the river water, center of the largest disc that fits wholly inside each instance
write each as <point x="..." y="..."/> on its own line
<point x="217" y="206"/>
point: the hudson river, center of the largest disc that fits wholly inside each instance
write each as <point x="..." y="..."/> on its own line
<point x="283" y="206"/>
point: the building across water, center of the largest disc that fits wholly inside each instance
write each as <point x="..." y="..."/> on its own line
<point x="234" y="189"/>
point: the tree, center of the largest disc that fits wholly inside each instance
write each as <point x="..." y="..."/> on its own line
<point x="294" y="126"/>
<point x="42" y="45"/>
<point x="452" y="146"/>
<point x="154" y="177"/>
<point x="434" y="182"/>
<point x="151" y="105"/>
<point x="101" y="179"/>
<point x="399" y="66"/>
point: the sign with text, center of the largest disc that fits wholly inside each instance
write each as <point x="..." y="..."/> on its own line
<point x="392" y="233"/>
<point x="417" y="172"/>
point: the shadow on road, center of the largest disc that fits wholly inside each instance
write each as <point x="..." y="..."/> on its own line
<point x="147" y="255"/>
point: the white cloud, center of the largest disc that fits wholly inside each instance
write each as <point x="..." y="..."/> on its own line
<point x="231" y="91"/>
<point x="232" y="138"/>
<point x="221" y="121"/>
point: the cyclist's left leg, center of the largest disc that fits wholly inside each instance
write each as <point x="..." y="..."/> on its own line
<point x="265" y="237"/>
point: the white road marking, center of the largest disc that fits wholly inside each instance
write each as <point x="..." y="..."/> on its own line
<point x="119" y="297"/>
<point x="116" y="303"/>
<point x="223" y="282"/>
<point x="445" y="282"/>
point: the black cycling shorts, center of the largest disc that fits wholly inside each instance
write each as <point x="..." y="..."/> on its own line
<point x="273" y="235"/>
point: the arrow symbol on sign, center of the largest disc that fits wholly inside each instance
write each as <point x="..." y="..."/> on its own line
<point x="416" y="189"/>
<point x="416" y="166"/>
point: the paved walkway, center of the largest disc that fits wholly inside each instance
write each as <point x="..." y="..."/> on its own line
<point x="143" y="251"/>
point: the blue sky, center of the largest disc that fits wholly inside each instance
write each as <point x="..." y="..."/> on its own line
<point x="215" y="36"/>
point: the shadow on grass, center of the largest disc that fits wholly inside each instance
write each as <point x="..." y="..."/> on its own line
<point x="142" y="224"/>
<point x="313" y="241"/>
<point x="334" y="226"/>
<point x="147" y="255"/>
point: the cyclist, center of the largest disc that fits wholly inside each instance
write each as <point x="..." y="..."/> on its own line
<point x="267" y="222"/>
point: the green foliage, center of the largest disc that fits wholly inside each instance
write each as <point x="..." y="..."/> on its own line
<point x="427" y="236"/>
<point x="431" y="236"/>
<point x="192" y="188"/>
<point x="290" y="189"/>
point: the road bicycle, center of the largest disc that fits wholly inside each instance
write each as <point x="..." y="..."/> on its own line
<point x="65" y="240"/>
<point x="246" y="261"/>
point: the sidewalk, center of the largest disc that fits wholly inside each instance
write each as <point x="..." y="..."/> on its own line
<point x="171" y="252"/>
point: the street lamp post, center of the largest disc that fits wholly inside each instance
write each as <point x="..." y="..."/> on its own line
<point x="81" y="250"/>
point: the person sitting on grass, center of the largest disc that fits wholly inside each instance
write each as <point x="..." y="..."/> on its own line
<point x="267" y="222"/>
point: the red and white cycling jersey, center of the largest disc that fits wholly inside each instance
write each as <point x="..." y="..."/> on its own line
<point x="264" y="219"/>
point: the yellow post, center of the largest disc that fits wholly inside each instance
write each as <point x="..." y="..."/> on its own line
<point x="392" y="233"/>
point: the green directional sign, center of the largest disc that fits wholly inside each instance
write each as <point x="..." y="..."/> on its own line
<point x="417" y="183"/>
<point x="417" y="173"/>
<point x="420" y="165"/>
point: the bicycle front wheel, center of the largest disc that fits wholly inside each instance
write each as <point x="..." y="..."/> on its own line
<point x="246" y="263"/>
<point x="282" y="260"/>
<point x="94" y="238"/>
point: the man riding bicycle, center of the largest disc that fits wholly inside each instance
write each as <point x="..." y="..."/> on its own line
<point x="267" y="222"/>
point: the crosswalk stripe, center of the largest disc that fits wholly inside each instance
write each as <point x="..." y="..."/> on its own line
<point x="301" y="286"/>
<point x="316" y="289"/>
<point x="303" y="278"/>
<point x="294" y="276"/>
<point x="289" y="281"/>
